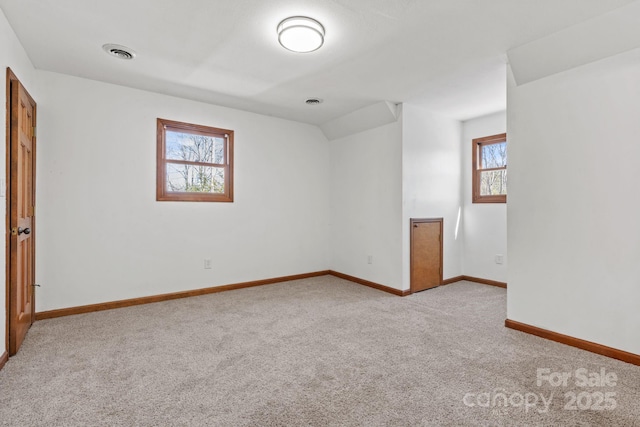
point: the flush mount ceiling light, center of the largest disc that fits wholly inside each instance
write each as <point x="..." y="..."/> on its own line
<point x="300" y="34"/>
<point x="119" y="51"/>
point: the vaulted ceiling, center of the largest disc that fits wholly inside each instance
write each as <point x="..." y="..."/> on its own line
<point x="447" y="55"/>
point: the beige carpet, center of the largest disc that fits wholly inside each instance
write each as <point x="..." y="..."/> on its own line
<point x="313" y="352"/>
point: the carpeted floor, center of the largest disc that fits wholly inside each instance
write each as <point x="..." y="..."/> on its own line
<point x="315" y="352"/>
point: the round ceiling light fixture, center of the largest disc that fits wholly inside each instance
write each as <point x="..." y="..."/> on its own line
<point x="119" y="51"/>
<point x="300" y="34"/>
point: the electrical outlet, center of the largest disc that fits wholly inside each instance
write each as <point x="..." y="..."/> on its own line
<point x="499" y="259"/>
<point x="369" y="259"/>
<point x="207" y="263"/>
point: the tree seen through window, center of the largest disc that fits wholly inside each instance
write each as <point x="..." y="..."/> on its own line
<point x="195" y="163"/>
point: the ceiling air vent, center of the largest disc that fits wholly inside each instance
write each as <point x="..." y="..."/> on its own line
<point x="313" y="101"/>
<point x="119" y="51"/>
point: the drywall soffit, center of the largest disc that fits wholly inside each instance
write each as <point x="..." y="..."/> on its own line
<point x="372" y="116"/>
<point x="607" y="35"/>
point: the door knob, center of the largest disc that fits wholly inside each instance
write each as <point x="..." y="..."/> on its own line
<point x="24" y="230"/>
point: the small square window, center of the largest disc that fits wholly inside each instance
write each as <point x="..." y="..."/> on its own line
<point x="490" y="169"/>
<point x="195" y="163"/>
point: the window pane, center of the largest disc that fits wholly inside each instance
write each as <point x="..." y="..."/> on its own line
<point x="493" y="183"/>
<point x="194" y="148"/>
<point x="194" y="179"/>
<point x="493" y="155"/>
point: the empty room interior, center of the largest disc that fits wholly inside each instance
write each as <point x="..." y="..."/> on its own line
<point x="348" y="212"/>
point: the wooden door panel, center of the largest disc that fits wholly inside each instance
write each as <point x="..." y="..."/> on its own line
<point x="21" y="213"/>
<point x="426" y="254"/>
<point x="24" y="275"/>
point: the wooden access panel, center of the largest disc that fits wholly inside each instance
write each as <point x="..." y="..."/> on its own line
<point x="426" y="253"/>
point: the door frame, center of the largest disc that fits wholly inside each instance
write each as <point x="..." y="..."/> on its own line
<point x="11" y="77"/>
<point x="412" y="222"/>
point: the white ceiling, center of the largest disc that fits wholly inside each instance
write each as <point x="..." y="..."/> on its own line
<point x="447" y="55"/>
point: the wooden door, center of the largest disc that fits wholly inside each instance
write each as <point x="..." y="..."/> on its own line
<point x="426" y="254"/>
<point x="21" y="200"/>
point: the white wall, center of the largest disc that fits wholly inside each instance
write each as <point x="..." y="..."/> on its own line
<point x="431" y="182"/>
<point x="485" y="224"/>
<point x="573" y="229"/>
<point x="366" y="204"/>
<point x="11" y="55"/>
<point x="101" y="234"/>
